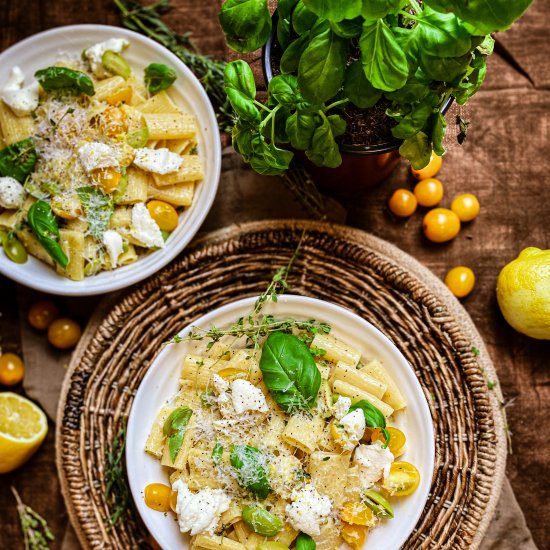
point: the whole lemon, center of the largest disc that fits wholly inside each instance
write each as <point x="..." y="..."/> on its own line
<point x="523" y="293"/>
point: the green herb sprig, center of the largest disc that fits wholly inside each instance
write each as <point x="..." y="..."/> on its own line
<point x="36" y="533"/>
<point x="116" y="490"/>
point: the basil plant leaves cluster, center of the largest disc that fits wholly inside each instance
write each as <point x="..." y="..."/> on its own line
<point x="414" y="54"/>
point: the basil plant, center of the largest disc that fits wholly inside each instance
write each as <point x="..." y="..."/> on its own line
<point x="414" y="54"/>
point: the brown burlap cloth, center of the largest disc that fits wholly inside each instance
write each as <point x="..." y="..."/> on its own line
<point x="243" y="196"/>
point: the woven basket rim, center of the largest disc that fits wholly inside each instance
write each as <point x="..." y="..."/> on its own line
<point x="391" y="254"/>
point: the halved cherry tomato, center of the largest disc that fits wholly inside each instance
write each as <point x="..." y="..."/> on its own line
<point x="430" y="170"/>
<point x="158" y="497"/>
<point x="402" y="480"/>
<point x="441" y="225"/>
<point x="12" y="369"/>
<point x="402" y="203"/>
<point x="229" y="372"/>
<point x="397" y="438"/>
<point x="460" y="280"/>
<point x="107" y="179"/>
<point x="357" y="513"/>
<point x="428" y="192"/>
<point x="113" y="122"/>
<point x="354" y="535"/>
<point x="42" y="314"/>
<point x="466" y="207"/>
<point x="164" y="214"/>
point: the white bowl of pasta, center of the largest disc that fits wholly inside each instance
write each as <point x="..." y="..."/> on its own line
<point x="240" y="447"/>
<point x="124" y="159"/>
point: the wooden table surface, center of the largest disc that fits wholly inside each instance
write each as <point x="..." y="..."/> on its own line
<point x="505" y="162"/>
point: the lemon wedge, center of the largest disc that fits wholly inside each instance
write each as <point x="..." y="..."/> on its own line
<point x="23" y="427"/>
<point x="523" y="293"/>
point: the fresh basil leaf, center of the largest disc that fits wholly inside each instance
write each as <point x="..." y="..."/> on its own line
<point x="303" y="19"/>
<point x="18" y="160"/>
<point x="217" y="453"/>
<point x="175" y="427"/>
<point x="300" y="128"/>
<point x="335" y="11"/>
<point x="158" y="77"/>
<point x="241" y="90"/>
<point x="292" y="55"/>
<point x="285" y="7"/>
<point x="242" y="135"/>
<point x="324" y="150"/>
<point x="289" y="370"/>
<point x="414" y="121"/>
<point x="471" y="83"/>
<point x="417" y="149"/>
<point x="440" y="34"/>
<point x="305" y="542"/>
<point x="487" y="46"/>
<point x="246" y="24"/>
<point x="261" y="521"/>
<point x="337" y="125"/>
<point x="61" y="80"/>
<point x="348" y="28"/>
<point x="358" y="89"/>
<point x="284" y="89"/>
<point x="322" y="65"/>
<point x="438" y="133"/>
<point x="284" y="33"/>
<point x="251" y="468"/>
<point x="383" y="59"/>
<point x="275" y="129"/>
<point x="44" y="226"/>
<point x="413" y="91"/>
<point x="444" y="69"/>
<point x="483" y="16"/>
<point x="377" y="9"/>
<point x="98" y="208"/>
<point x="277" y="160"/>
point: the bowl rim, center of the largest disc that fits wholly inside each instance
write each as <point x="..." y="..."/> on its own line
<point x="67" y="287"/>
<point x="133" y="425"/>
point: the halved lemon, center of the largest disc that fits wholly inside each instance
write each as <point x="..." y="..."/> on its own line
<point x="23" y="427"/>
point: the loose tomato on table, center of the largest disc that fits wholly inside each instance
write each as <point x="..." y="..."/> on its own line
<point x="64" y="333"/>
<point x="42" y="313"/>
<point x="402" y="480"/>
<point x="441" y="225"/>
<point x="402" y="203"/>
<point x="428" y="192"/>
<point x="466" y="207"/>
<point x="430" y="170"/>
<point x="164" y="214"/>
<point x="12" y="369"/>
<point x="460" y="280"/>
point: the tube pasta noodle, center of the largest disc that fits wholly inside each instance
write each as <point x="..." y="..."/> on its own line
<point x="92" y="171"/>
<point x="229" y="406"/>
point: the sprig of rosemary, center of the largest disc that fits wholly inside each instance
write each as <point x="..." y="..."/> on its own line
<point x="116" y="490"/>
<point x="36" y="533"/>
<point x="147" y="20"/>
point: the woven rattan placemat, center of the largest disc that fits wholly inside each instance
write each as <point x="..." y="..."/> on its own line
<point x="348" y="267"/>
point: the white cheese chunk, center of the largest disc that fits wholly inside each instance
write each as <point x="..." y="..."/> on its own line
<point x="341" y="407"/>
<point x="95" y="53"/>
<point x="247" y="397"/>
<point x="113" y="243"/>
<point x="308" y="510"/>
<point x="145" y="228"/>
<point x="95" y="155"/>
<point x="12" y="193"/>
<point x="21" y="100"/>
<point x="353" y="425"/>
<point x="221" y="385"/>
<point x="199" y="512"/>
<point x="375" y="462"/>
<point x="159" y="161"/>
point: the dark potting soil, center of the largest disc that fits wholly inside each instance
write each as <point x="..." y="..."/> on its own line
<point x="365" y="127"/>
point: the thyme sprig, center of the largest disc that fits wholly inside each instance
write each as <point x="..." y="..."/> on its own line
<point x="116" y="490"/>
<point x="36" y="533"/>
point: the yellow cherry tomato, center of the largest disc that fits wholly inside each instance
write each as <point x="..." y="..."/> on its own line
<point x="357" y="513"/>
<point x="64" y="333"/>
<point x="12" y="369"/>
<point x="107" y="179"/>
<point x="460" y="280"/>
<point x="402" y="203"/>
<point x="41" y="314"/>
<point x="428" y="192"/>
<point x="124" y="95"/>
<point x="402" y="480"/>
<point x="113" y="122"/>
<point x="397" y="438"/>
<point x="430" y="170"/>
<point x="164" y="214"/>
<point x="158" y="497"/>
<point x="466" y="207"/>
<point x="354" y="535"/>
<point x="441" y="225"/>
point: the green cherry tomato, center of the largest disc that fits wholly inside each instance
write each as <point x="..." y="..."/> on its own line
<point x="15" y="251"/>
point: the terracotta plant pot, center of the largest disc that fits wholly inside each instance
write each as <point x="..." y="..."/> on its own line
<point x="363" y="166"/>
